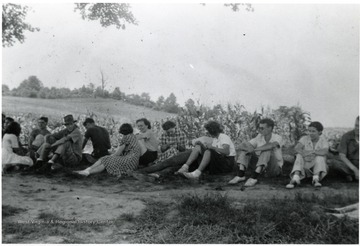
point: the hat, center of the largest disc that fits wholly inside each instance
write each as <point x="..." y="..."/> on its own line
<point x="69" y="119"/>
<point x="88" y="120"/>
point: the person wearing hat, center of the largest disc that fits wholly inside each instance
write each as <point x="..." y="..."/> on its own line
<point x="99" y="137"/>
<point x="65" y="144"/>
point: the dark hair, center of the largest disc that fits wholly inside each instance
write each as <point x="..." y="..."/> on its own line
<point x="126" y="129"/>
<point x="44" y="119"/>
<point x="317" y="125"/>
<point x="357" y="118"/>
<point x="167" y="125"/>
<point x="88" y="120"/>
<point x="146" y="122"/>
<point x="268" y="122"/>
<point x="13" y="128"/>
<point x="10" y="119"/>
<point x="213" y="128"/>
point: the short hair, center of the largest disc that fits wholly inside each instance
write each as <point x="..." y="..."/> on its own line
<point x="126" y="129"/>
<point x="44" y="119"/>
<point x="9" y="119"/>
<point x="13" y="128"/>
<point x="268" y="122"/>
<point x="88" y="120"/>
<point x="146" y="122"/>
<point x="213" y="128"/>
<point x="167" y="125"/>
<point x="317" y="125"/>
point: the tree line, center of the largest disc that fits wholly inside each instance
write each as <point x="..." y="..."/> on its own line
<point x="32" y="87"/>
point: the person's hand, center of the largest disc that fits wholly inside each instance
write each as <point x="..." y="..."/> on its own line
<point x="309" y="157"/>
<point x="208" y="145"/>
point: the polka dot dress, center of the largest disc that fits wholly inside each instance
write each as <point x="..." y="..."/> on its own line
<point x="128" y="161"/>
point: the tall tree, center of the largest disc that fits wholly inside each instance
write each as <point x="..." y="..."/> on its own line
<point x="13" y="24"/>
<point x="170" y="104"/>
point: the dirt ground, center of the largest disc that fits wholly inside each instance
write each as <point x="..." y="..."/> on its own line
<point x="103" y="198"/>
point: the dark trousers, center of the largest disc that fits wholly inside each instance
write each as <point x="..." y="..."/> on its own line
<point x="168" y="166"/>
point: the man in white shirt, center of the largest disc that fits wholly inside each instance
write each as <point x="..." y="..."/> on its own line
<point x="267" y="147"/>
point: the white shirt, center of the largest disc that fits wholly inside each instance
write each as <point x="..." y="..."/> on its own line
<point x="224" y="139"/>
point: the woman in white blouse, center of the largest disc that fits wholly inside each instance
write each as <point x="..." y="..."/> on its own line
<point x="217" y="156"/>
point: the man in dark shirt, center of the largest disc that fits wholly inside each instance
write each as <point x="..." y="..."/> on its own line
<point x="99" y="137"/>
<point x="349" y="151"/>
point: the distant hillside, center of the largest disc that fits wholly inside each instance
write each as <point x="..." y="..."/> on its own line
<point x="79" y="106"/>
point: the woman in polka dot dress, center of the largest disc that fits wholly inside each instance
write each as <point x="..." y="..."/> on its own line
<point x="125" y="159"/>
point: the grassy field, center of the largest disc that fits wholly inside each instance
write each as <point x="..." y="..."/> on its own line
<point x="79" y="106"/>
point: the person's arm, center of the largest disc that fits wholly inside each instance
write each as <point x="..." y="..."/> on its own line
<point x="85" y="142"/>
<point x="299" y="149"/>
<point x="225" y="150"/>
<point x="246" y="146"/>
<point x="181" y="146"/>
<point x="321" y="152"/>
<point x="32" y="138"/>
<point x="348" y="163"/>
<point x="119" y="150"/>
<point x="268" y="146"/>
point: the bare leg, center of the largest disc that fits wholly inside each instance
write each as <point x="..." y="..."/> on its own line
<point x="205" y="160"/>
<point x="194" y="155"/>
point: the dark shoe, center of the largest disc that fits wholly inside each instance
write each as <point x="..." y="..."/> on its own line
<point x="45" y="168"/>
<point x="55" y="167"/>
<point x="349" y="178"/>
<point x="143" y="177"/>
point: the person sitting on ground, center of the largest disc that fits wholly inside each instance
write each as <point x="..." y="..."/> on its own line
<point x="217" y="157"/>
<point x="11" y="150"/>
<point x="99" y="137"/>
<point x="66" y="146"/>
<point x="349" y="154"/>
<point x="37" y="136"/>
<point x="168" y="166"/>
<point x="6" y="123"/>
<point x="172" y="141"/>
<point x="148" y="142"/>
<point x="125" y="159"/>
<point x="266" y="147"/>
<point x="311" y="157"/>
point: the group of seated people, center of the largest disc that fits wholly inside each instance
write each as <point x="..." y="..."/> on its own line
<point x="145" y="157"/>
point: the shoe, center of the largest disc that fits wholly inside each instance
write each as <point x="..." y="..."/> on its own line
<point x="56" y="167"/>
<point x="236" y="180"/>
<point x="316" y="183"/>
<point x="293" y="182"/>
<point x="155" y="175"/>
<point x="193" y="175"/>
<point x="182" y="170"/>
<point x="250" y="182"/>
<point x="290" y="186"/>
<point x="349" y="178"/>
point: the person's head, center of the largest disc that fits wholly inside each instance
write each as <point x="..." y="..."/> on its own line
<point x="126" y="129"/>
<point x="169" y="127"/>
<point x="88" y="123"/>
<point x="357" y="125"/>
<point x="213" y="128"/>
<point x="8" y="120"/>
<point x="42" y="122"/>
<point x="315" y="129"/>
<point x="266" y="126"/>
<point x="13" y="128"/>
<point x="69" y="122"/>
<point x="143" y="124"/>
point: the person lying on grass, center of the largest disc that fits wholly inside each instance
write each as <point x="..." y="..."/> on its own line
<point x="216" y="157"/>
<point x="168" y="166"/>
<point x="311" y="157"/>
<point x="65" y="145"/>
<point x="148" y="142"/>
<point x="11" y="148"/>
<point x="266" y="148"/>
<point x="125" y="159"/>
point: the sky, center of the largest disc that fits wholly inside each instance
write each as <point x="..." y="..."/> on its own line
<point x="276" y="55"/>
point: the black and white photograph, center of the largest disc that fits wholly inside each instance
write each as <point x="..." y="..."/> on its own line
<point x="180" y="122"/>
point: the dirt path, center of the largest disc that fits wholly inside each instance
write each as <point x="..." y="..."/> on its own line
<point x="103" y="199"/>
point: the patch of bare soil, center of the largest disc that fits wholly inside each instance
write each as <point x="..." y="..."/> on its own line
<point x="102" y="198"/>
